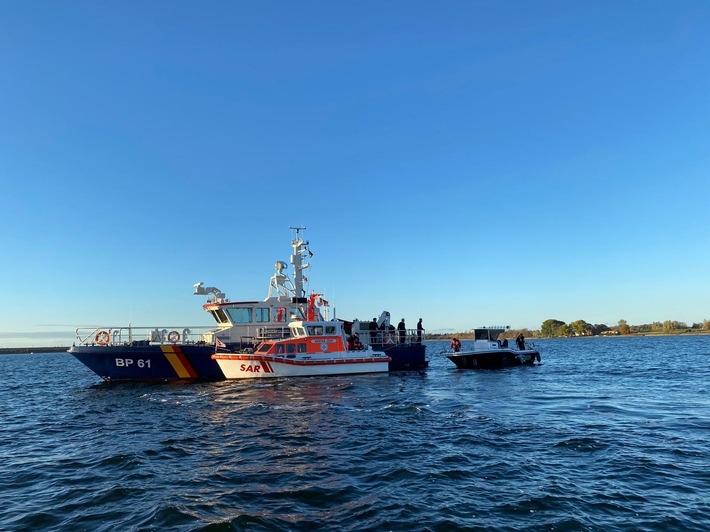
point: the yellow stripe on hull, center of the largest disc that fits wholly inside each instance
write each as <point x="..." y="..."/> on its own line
<point x="175" y="362"/>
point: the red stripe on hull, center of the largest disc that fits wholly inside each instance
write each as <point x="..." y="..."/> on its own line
<point x="185" y="362"/>
<point x="266" y="359"/>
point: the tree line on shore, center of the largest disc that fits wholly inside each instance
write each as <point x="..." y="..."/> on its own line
<point x="553" y="328"/>
<point x="557" y="329"/>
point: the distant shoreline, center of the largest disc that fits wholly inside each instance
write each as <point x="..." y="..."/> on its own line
<point x="26" y="350"/>
<point x="469" y="336"/>
<point x="434" y="337"/>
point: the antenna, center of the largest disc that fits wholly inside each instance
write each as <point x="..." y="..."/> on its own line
<point x="297" y="231"/>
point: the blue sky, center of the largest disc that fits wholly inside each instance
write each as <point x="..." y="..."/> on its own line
<point x="470" y="163"/>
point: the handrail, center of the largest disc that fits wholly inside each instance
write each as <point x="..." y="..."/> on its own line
<point x="273" y="333"/>
<point x="388" y="337"/>
<point x="148" y="335"/>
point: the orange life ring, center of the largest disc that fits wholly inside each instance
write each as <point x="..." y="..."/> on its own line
<point x="173" y="337"/>
<point x="102" y="337"/>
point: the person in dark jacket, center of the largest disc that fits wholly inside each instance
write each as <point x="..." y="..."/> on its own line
<point x="420" y="329"/>
<point x="373" y="331"/>
<point x="401" y="330"/>
<point x="520" y="341"/>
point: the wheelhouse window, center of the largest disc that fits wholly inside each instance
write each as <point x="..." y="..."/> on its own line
<point x="296" y="314"/>
<point x="240" y="314"/>
<point x="262" y="315"/>
<point x="281" y="315"/>
<point x="315" y="330"/>
<point x="330" y="329"/>
<point x="219" y="316"/>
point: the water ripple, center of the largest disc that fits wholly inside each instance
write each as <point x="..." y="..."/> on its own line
<point x="621" y="444"/>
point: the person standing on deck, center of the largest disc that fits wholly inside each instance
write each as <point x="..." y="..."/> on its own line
<point x="373" y="331"/>
<point x="520" y="340"/>
<point x="401" y="330"/>
<point x="420" y="329"/>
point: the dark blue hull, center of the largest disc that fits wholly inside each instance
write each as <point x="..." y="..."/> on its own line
<point x="405" y="357"/>
<point x="150" y="362"/>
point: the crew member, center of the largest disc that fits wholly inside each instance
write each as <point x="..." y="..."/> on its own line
<point x="520" y="340"/>
<point x="401" y="330"/>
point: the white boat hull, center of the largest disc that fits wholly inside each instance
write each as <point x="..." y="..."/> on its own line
<point x="240" y="366"/>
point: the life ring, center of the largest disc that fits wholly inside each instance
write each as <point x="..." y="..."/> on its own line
<point x="102" y="337"/>
<point x="173" y="337"/>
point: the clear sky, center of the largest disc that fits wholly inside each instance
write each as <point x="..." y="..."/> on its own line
<point x="467" y="162"/>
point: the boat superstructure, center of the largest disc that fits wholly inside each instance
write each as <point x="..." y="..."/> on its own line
<point x="313" y="348"/>
<point x="243" y="324"/>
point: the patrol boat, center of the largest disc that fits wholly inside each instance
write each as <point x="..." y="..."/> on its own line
<point x="488" y="352"/>
<point x="122" y="353"/>
<point x="313" y="348"/>
<point x="185" y="352"/>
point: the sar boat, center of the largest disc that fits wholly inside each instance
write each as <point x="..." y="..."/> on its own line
<point x="165" y="353"/>
<point x="313" y="348"/>
<point x="490" y="352"/>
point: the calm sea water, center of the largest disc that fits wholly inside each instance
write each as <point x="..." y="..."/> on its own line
<point x="607" y="434"/>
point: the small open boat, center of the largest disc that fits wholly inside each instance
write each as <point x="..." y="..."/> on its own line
<point x="488" y="352"/>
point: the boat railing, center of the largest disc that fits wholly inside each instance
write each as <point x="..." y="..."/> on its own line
<point x="143" y="335"/>
<point x="273" y="333"/>
<point x="380" y="338"/>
